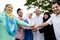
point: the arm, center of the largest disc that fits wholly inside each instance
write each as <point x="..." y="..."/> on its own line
<point x="22" y="23"/>
<point x="1" y="17"/>
<point x="43" y="25"/>
<point x="39" y="26"/>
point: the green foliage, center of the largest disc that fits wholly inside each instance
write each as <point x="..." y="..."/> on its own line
<point x="44" y="4"/>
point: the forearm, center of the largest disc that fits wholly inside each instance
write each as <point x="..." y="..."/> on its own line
<point x="22" y="23"/>
<point x="43" y="25"/>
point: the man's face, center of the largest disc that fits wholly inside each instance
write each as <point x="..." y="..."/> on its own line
<point x="56" y="8"/>
<point x="37" y="12"/>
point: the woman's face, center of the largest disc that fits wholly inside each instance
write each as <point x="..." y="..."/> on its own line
<point x="45" y="16"/>
<point x="9" y="8"/>
<point x="20" y="13"/>
<point x="30" y="15"/>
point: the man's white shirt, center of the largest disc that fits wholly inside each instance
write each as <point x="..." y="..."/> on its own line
<point x="37" y="20"/>
<point x="55" y="20"/>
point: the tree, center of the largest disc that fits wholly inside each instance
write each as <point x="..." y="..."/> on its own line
<point x="42" y="4"/>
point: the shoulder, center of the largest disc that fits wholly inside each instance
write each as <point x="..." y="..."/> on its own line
<point x="15" y="17"/>
<point x="1" y="14"/>
<point x="52" y="17"/>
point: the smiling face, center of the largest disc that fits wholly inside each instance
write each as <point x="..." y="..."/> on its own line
<point x="37" y="12"/>
<point x="46" y="16"/>
<point x="20" y="13"/>
<point x="9" y="8"/>
<point x="30" y="15"/>
<point x="56" y="8"/>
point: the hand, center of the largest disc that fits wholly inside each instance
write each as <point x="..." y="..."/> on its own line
<point x="34" y="30"/>
<point x="35" y="27"/>
<point x="32" y="27"/>
<point x="20" y="27"/>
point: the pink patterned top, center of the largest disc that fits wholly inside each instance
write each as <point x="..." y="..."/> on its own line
<point x="20" y="32"/>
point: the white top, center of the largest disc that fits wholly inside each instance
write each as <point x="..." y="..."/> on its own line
<point x="55" y="20"/>
<point x="37" y="20"/>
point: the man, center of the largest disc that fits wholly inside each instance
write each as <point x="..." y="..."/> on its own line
<point x="38" y="20"/>
<point x="55" y="20"/>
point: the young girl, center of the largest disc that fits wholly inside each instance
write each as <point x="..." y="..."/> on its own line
<point x="20" y="31"/>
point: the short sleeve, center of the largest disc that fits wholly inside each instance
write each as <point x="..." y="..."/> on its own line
<point x="49" y="21"/>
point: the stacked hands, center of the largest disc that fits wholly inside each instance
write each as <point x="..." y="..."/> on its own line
<point x="34" y="28"/>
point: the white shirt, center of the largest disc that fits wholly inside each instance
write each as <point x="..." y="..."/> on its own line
<point x="37" y="20"/>
<point x="55" y="20"/>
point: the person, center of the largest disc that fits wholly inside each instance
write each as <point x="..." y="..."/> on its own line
<point x="20" y="31"/>
<point x="20" y="14"/>
<point x="36" y="21"/>
<point x="47" y="30"/>
<point x="28" y="32"/>
<point x="55" y="19"/>
<point x="9" y="23"/>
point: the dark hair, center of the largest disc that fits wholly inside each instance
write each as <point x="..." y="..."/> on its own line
<point x="18" y="9"/>
<point x="55" y="2"/>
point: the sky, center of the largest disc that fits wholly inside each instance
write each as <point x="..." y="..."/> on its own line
<point x="16" y="4"/>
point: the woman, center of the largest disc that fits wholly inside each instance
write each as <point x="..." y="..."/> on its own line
<point x="28" y="32"/>
<point x="9" y="23"/>
<point x="20" y="31"/>
<point x="48" y="30"/>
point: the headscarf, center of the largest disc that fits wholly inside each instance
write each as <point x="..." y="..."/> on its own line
<point x="27" y="19"/>
<point x="28" y="15"/>
<point x="44" y="20"/>
<point x="9" y="14"/>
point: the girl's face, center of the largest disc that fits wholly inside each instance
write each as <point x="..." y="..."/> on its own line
<point x="45" y="16"/>
<point x="9" y="8"/>
<point x="20" y="13"/>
